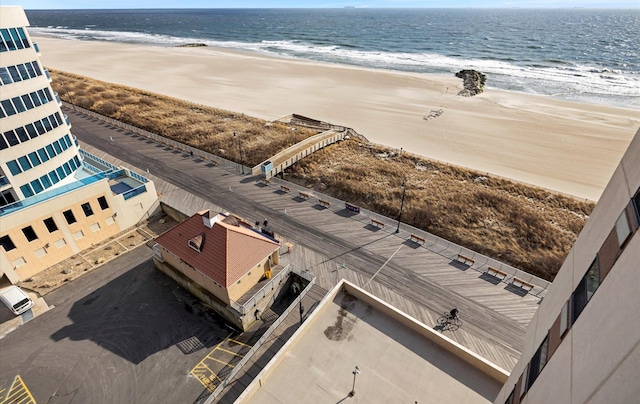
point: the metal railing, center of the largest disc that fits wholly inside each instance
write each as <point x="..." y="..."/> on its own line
<point x="133" y="192"/>
<point x="247" y="357"/>
<point x="268" y="287"/>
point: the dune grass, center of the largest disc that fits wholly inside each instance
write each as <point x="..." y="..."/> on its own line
<point x="524" y="226"/>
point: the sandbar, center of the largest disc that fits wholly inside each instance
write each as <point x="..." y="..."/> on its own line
<point x="568" y="147"/>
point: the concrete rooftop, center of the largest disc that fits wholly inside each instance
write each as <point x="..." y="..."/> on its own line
<point x="400" y="359"/>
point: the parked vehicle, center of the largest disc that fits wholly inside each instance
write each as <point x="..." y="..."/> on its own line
<point x="15" y="299"/>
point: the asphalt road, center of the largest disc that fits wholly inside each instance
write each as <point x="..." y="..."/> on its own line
<point x="479" y="320"/>
<point x="111" y="338"/>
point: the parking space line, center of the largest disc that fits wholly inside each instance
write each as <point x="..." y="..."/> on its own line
<point x="18" y="393"/>
<point x="223" y="362"/>
<point x="229" y="352"/>
<point x="241" y="343"/>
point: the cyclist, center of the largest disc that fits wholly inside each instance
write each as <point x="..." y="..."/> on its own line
<point x="453" y="314"/>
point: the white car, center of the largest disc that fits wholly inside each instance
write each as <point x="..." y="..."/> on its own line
<point x="15" y="299"/>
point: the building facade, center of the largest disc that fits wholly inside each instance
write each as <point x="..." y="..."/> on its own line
<point x="583" y="344"/>
<point x="55" y="199"/>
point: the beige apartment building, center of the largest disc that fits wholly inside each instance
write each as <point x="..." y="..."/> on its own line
<point x="55" y="198"/>
<point x="583" y="344"/>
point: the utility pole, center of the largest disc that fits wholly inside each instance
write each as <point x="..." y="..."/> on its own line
<point x="353" y="388"/>
<point x="404" y="188"/>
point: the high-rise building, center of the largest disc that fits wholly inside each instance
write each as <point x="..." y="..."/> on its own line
<point x="583" y="344"/>
<point x="55" y="199"/>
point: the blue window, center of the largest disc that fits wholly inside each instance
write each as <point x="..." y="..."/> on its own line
<point x="43" y="155"/>
<point x="15" y="75"/>
<point x="11" y="137"/>
<point x="24" y="163"/>
<point x="26" y="190"/>
<point x="67" y="140"/>
<point x="23" y="38"/>
<point x="7" y="39"/>
<point x="33" y="157"/>
<point x="54" y="177"/>
<point x="27" y="101"/>
<point x="35" y="99"/>
<point x="47" y="124"/>
<point x="73" y="165"/>
<point x="56" y="145"/>
<point x="29" y="67"/>
<point x="3" y="47"/>
<point x="17" y="102"/>
<point x="50" y="150"/>
<point x="58" y="118"/>
<point x="32" y="131"/>
<point x="16" y="38"/>
<point x="13" y="167"/>
<point x="5" y="76"/>
<point x="8" y="107"/>
<point x="40" y="127"/>
<point x="23" y="72"/>
<point x="61" y="172"/>
<point x="43" y="97"/>
<point x="22" y="134"/>
<point x="45" y="181"/>
<point x="37" y="187"/>
<point x="3" y="143"/>
<point x="67" y="169"/>
<point x="77" y="160"/>
<point x="36" y="67"/>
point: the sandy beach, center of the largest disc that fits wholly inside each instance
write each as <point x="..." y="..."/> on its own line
<point x="568" y="147"/>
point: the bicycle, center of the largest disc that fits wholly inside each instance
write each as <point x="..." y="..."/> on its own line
<point x="448" y="322"/>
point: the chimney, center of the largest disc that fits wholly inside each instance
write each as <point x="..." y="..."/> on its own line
<point x="209" y="218"/>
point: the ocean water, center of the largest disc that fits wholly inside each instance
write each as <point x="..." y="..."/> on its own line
<point x="585" y="55"/>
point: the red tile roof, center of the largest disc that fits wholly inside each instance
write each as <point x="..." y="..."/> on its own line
<point x="227" y="252"/>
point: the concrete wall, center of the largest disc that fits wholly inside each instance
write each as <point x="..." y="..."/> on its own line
<point x="29" y="258"/>
<point x="600" y="355"/>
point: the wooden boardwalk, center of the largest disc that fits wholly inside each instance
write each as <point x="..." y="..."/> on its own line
<point x="419" y="280"/>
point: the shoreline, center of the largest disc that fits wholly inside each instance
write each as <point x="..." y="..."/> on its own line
<point x="565" y="146"/>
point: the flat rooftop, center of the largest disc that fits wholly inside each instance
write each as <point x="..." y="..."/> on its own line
<point x="400" y="359"/>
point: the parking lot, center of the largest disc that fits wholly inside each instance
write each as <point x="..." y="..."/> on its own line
<point x="111" y="336"/>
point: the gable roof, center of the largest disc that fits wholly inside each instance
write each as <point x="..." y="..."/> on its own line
<point x="227" y="252"/>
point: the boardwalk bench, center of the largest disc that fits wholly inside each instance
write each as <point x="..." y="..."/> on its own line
<point x="417" y="239"/>
<point x="521" y="284"/>
<point x="465" y="259"/>
<point x="352" y="208"/>
<point x="324" y="203"/>
<point x="377" y="223"/>
<point x="303" y="195"/>
<point x="285" y="189"/>
<point x="496" y="273"/>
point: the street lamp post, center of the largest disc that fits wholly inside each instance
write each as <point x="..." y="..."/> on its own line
<point x="353" y="388"/>
<point x="240" y="150"/>
<point x="404" y="188"/>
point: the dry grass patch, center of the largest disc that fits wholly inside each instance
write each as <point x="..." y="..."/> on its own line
<point x="205" y="128"/>
<point x="524" y="226"/>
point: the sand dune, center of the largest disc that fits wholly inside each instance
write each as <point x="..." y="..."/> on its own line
<point x="564" y="146"/>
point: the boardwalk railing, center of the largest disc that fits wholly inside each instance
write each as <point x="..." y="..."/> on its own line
<point x="247" y="357"/>
<point x="217" y="160"/>
<point x="432" y="242"/>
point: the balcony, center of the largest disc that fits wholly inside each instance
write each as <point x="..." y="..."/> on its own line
<point x="66" y="119"/>
<point x="36" y="47"/>
<point x="58" y="98"/>
<point x="46" y="73"/>
<point x="75" y="140"/>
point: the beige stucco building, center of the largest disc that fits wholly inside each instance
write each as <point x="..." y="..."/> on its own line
<point x="583" y="344"/>
<point x="221" y="260"/>
<point x="55" y="199"/>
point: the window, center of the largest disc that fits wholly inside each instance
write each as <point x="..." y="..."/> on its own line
<point x="103" y="203"/>
<point x="7" y="243"/>
<point x="69" y="216"/>
<point x="40" y="127"/>
<point x="43" y="155"/>
<point x="538" y="361"/>
<point x="623" y="229"/>
<point x="46" y="182"/>
<point x="511" y="397"/>
<point x="523" y="381"/>
<point x="593" y="278"/>
<point x="32" y="131"/>
<point x="13" y="167"/>
<point x="24" y="163"/>
<point x="22" y="134"/>
<point x="17" y="102"/>
<point x="33" y="157"/>
<point x="11" y="137"/>
<point x="564" y="319"/>
<point x="586" y="288"/>
<point x="3" y="143"/>
<point x="54" y="177"/>
<point x="29" y="233"/>
<point x="26" y="190"/>
<point x="37" y="187"/>
<point x="636" y="203"/>
<point x="8" y="107"/>
<point x="86" y="208"/>
<point x="51" y="224"/>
